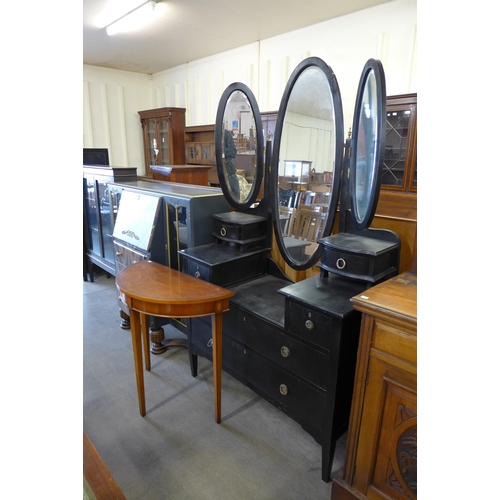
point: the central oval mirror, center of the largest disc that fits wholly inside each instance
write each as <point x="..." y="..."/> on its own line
<point x="305" y="173"/>
<point x="368" y="139"/>
<point x="239" y="146"/>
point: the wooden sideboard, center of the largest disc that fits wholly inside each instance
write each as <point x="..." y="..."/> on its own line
<point x="185" y="174"/>
<point x="381" y="453"/>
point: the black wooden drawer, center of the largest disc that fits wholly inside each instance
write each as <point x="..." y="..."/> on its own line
<point x="310" y="324"/>
<point x="291" y="354"/>
<point x="223" y="264"/>
<point x="201" y="336"/>
<point x="359" y="257"/>
<point x="299" y="400"/>
<point x="197" y="269"/>
<point x="239" y="227"/>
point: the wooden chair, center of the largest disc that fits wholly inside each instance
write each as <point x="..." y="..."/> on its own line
<point x="305" y="198"/>
<point x="306" y="223"/>
<point x="285" y="218"/>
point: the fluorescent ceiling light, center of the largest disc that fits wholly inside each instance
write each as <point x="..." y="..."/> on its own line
<point x="133" y="19"/>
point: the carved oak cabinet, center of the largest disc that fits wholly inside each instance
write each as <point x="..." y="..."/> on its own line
<point x="381" y="454"/>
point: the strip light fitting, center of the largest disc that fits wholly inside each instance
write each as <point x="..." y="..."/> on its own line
<point x="132" y="20"/>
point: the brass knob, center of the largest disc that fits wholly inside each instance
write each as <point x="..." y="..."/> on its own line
<point x="340" y="263"/>
<point x="197" y="274"/>
<point x="223" y="231"/>
<point x="309" y="324"/>
<point x="285" y="352"/>
<point x="283" y="389"/>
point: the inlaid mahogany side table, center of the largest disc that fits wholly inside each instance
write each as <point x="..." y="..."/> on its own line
<point x="149" y="288"/>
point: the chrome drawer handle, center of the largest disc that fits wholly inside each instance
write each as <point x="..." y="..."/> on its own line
<point x="283" y="389"/>
<point x="285" y="352"/>
<point x="223" y="231"/>
<point x="118" y="254"/>
<point x="340" y="263"/>
<point x="197" y="274"/>
<point x="210" y="343"/>
<point x="309" y="324"/>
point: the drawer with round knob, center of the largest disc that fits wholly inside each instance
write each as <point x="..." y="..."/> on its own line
<point x="310" y="324"/>
<point x="295" y="397"/>
<point x="303" y="360"/>
<point x="359" y="257"/>
<point x="126" y="256"/>
<point x="222" y="264"/>
<point x="239" y="227"/>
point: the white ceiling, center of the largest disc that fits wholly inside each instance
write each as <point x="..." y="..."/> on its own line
<point x="186" y="30"/>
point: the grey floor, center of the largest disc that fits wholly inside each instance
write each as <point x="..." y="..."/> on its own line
<point x="177" y="451"/>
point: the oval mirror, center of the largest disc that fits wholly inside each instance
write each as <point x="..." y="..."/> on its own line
<point x="239" y="146"/>
<point x="368" y="143"/>
<point x="306" y="162"/>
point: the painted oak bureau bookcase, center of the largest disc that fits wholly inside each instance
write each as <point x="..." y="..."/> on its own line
<point x="295" y="344"/>
<point x="128" y="219"/>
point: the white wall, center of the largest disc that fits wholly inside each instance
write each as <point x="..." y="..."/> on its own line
<point x="112" y="98"/>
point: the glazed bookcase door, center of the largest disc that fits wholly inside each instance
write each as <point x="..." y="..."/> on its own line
<point x="399" y="172"/>
<point x="92" y="212"/>
<point x="163" y="143"/>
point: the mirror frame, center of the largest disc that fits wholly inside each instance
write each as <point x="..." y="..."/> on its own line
<point x="375" y="66"/>
<point x="219" y="122"/>
<point x="338" y="118"/>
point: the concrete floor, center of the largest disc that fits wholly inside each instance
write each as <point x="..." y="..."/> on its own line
<point x="177" y="451"/>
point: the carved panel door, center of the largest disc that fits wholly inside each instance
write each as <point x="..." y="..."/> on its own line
<point x="388" y="434"/>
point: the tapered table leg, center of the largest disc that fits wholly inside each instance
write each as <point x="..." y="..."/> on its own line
<point x="135" y="327"/>
<point x="145" y="340"/>
<point x="217" y="362"/>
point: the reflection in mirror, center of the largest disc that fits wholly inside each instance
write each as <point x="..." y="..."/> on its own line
<point x="366" y="145"/>
<point x="307" y="155"/>
<point x="239" y="146"/>
<point x="368" y="140"/>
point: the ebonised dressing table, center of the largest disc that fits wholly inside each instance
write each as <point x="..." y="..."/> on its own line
<point x="295" y="344"/>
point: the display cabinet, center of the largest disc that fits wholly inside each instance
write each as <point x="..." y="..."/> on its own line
<point x="381" y="453"/>
<point x="100" y="203"/>
<point x="163" y="132"/>
<point x="200" y="146"/>
<point x="200" y="149"/>
<point x="296" y="174"/>
<point x="397" y="204"/>
<point x="400" y="157"/>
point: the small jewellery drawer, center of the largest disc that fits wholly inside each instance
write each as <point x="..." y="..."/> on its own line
<point x="359" y="257"/>
<point x="300" y="359"/>
<point x="346" y="263"/>
<point x="222" y="264"/>
<point x="310" y="324"/>
<point x="239" y="227"/>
